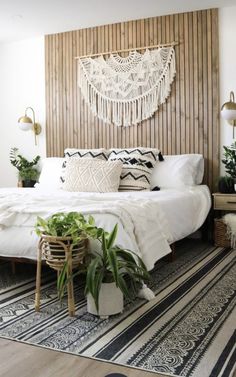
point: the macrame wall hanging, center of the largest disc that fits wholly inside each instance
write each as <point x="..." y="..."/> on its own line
<point x="125" y="91"/>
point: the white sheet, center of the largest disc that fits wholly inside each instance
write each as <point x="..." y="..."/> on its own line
<point x="178" y="213"/>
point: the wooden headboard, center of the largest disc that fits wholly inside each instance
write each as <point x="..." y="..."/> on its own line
<point x="189" y="120"/>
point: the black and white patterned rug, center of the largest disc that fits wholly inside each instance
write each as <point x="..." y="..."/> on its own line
<point x="187" y="330"/>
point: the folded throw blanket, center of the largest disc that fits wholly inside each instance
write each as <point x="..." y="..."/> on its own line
<point x="142" y="220"/>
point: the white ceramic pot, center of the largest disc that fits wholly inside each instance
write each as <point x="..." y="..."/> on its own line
<point x="110" y="301"/>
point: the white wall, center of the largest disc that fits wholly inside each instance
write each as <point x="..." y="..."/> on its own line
<point x="227" y="35"/>
<point x="22" y="84"/>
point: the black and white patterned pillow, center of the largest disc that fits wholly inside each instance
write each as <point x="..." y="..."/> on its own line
<point x="100" y="154"/>
<point x="137" y="167"/>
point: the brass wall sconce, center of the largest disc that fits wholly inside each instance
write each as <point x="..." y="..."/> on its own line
<point x="228" y="111"/>
<point x="26" y="123"/>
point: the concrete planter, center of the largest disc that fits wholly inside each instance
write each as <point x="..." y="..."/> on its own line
<point x="110" y="301"/>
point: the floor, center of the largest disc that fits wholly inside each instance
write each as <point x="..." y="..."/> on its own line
<point x="20" y="359"/>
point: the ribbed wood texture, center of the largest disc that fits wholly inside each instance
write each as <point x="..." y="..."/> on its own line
<point x="189" y="120"/>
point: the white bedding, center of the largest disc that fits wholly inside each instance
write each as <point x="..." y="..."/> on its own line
<point x="147" y="221"/>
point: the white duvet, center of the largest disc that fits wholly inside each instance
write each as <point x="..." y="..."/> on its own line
<point x="147" y="221"/>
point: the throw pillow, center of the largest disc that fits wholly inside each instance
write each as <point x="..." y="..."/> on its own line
<point x="178" y="171"/>
<point x="100" y="154"/>
<point x="50" y="174"/>
<point x="138" y="164"/>
<point x="92" y="175"/>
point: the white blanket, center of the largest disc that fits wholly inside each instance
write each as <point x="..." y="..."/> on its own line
<point x="143" y="222"/>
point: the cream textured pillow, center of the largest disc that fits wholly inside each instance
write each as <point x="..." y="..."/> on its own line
<point x="92" y="175"/>
<point x="100" y="154"/>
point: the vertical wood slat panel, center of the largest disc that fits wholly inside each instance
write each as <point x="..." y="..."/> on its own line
<point x="177" y="95"/>
<point x="182" y="95"/>
<point x="191" y="85"/>
<point x="47" y="91"/>
<point x="215" y="98"/>
<point x="195" y="81"/>
<point x="205" y="89"/>
<point x="188" y="122"/>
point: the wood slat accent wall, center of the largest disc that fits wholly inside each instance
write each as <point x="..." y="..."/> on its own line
<point x="189" y="120"/>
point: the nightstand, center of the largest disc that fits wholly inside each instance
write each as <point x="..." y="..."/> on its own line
<point x="224" y="202"/>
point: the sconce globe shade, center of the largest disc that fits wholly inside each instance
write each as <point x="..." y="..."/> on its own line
<point x="25" y="123"/>
<point x="228" y="114"/>
<point x="228" y="110"/>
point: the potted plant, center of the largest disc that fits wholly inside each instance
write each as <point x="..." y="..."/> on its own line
<point x="28" y="174"/>
<point x="112" y="273"/>
<point x="226" y="185"/>
<point x="64" y="230"/>
<point x="62" y="233"/>
<point x="66" y="224"/>
<point x="229" y="161"/>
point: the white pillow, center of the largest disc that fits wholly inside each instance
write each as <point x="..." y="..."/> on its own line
<point x="50" y="173"/>
<point x="178" y="171"/>
<point x="92" y="175"/>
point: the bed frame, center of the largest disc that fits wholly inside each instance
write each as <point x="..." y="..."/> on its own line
<point x="14" y="260"/>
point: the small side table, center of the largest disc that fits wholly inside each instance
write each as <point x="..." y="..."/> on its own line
<point x="224" y="202"/>
<point x="57" y="251"/>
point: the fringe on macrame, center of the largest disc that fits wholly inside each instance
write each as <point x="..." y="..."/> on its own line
<point x="130" y="111"/>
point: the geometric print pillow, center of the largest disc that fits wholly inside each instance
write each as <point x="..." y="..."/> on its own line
<point x="138" y="164"/>
<point x="92" y="175"/>
<point x="100" y="154"/>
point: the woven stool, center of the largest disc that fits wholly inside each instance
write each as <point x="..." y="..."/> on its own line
<point x="56" y="251"/>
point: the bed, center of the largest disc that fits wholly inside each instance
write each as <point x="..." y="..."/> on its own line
<point x="148" y="221"/>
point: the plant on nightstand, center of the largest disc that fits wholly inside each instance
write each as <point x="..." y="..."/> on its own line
<point x="27" y="173"/>
<point x="227" y="183"/>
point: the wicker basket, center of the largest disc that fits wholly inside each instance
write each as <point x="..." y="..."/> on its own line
<point x="221" y="238"/>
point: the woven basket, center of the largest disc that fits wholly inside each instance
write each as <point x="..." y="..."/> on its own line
<point x="221" y="238"/>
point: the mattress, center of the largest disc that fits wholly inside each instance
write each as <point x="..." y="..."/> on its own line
<point x="179" y="213"/>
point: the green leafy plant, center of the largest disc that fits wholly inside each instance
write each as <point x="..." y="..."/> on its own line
<point x="111" y="264"/>
<point x="25" y="168"/>
<point x="114" y="264"/>
<point x="226" y="184"/>
<point x="229" y="160"/>
<point x="73" y="225"/>
<point x="70" y="224"/>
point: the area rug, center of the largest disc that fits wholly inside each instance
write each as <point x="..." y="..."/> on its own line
<point x="187" y="330"/>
